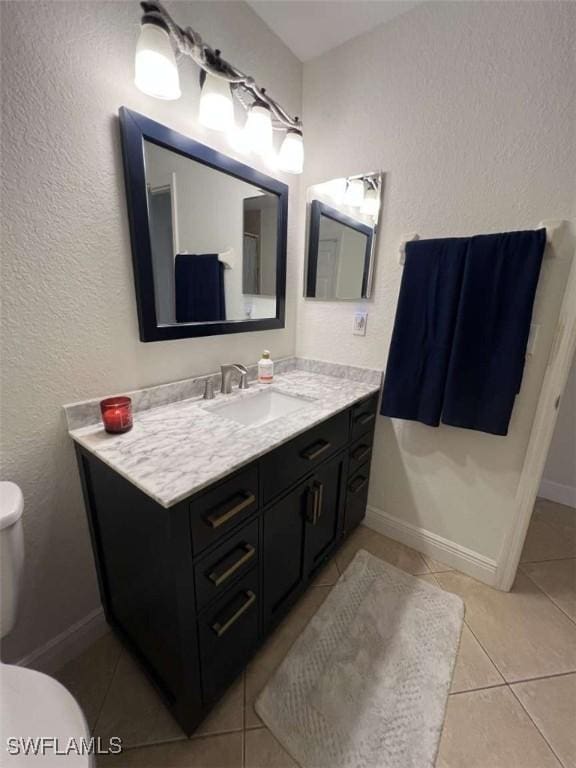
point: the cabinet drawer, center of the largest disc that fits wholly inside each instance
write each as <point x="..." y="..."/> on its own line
<point x="228" y="634"/>
<point x="218" y="511"/>
<point x="360" y="452"/>
<point x="224" y="565"/>
<point x="363" y="416"/>
<point x="285" y="465"/>
<point x="356" y="497"/>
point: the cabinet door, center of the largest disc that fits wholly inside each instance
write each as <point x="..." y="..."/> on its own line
<point x="283" y="552"/>
<point x="324" y="511"/>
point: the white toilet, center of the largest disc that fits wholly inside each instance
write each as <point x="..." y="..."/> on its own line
<point x="32" y="705"/>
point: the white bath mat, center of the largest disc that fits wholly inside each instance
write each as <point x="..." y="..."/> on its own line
<point x="366" y="684"/>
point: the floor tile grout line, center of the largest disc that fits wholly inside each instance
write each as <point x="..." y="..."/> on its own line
<point x="547" y="596"/>
<point x="497" y="668"/>
<point x="107" y="691"/>
<point x="503" y="684"/>
<point x="542" y="677"/>
<point x="550" y="747"/>
<point x="547" y="560"/>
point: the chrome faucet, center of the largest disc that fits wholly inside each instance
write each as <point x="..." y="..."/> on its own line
<point x="227" y="371"/>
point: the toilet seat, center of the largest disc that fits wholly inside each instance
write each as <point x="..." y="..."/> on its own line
<point x="34" y="705"/>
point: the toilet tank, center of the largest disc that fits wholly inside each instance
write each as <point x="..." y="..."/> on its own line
<point x="11" y="553"/>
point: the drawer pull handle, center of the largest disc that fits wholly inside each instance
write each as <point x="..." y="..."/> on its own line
<point x="315" y="450"/>
<point x="365" y="418"/>
<point x="221" y="629"/>
<point x="358" y="483"/>
<point x="361" y="452"/>
<point x="219" y="517"/>
<point x="219" y="578"/>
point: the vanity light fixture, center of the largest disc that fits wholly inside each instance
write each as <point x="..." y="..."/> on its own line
<point x="156" y="73"/>
<point x="371" y="204"/>
<point x="216" y="109"/>
<point x="291" y="156"/>
<point x="354" y="193"/>
<point x="162" y="42"/>
<point x="258" y="128"/>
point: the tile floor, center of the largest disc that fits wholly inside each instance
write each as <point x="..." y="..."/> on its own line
<point x="513" y="700"/>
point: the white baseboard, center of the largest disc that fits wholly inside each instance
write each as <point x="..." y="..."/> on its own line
<point x="563" y="494"/>
<point x="437" y="547"/>
<point x="52" y="656"/>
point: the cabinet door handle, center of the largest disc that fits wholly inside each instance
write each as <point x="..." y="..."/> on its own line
<point x="312" y="501"/>
<point x="219" y="578"/>
<point x="361" y="452"/>
<point x="316" y="494"/>
<point x="315" y="450"/>
<point x="220" y="516"/>
<point x="320" y="489"/>
<point x="221" y="628"/>
<point x="365" y="418"/>
<point x="357" y="484"/>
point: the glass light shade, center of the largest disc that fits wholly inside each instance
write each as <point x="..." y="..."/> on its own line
<point x="238" y="140"/>
<point x="336" y="189"/>
<point x="291" y="156"/>
<point x="354" y="193"/>
<point x="155" y="69"/>
<point x="371" y="204"/>
<point x="259" y="130"/>
<point x="216" y="109"/>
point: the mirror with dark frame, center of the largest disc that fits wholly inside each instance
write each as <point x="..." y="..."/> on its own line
<point x="342" y="223"/>
<point x="208" y="236"/>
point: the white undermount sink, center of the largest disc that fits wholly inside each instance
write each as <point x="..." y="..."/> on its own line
<point x="266" y="405"/>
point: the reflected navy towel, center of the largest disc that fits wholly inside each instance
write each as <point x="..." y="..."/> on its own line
<point x="461" y="329"/>
<point x="492" y="329"/>
<point x="423" y="330"/>
<point x="199" y="284"/>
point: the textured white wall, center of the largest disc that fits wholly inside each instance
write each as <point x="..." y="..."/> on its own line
<point x="469" y="108"/>
<point x="69" y="317"/>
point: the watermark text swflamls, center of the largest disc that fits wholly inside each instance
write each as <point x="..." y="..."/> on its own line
<point x="52" y="745"/>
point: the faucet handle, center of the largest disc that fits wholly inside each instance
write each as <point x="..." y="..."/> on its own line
<point x="244" y="381"/>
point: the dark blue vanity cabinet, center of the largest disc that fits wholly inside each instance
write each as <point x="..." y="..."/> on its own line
<point x="193" y="590"/>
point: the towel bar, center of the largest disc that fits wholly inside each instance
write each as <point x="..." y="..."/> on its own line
<point x="552" y="227"/>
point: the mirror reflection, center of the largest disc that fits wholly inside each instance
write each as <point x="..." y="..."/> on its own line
<point x="213" y="239"/>
<point x="342" y="222"/>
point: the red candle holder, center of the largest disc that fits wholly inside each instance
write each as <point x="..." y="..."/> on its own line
<point x="116" y="414"/>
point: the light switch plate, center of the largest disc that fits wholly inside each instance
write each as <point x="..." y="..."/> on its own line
<point x="360" y="322"/>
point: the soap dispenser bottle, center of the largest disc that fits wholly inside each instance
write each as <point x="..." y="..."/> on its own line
<point x="265" y="368"/>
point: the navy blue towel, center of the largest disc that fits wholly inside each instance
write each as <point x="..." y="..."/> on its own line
<point x="492" y="329"/>
<point x="199" y="282"/>
<point x="423" y="330"/>
<point x="461" y="329"/>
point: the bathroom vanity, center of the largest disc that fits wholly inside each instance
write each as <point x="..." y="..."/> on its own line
<point x="206" y="528"/>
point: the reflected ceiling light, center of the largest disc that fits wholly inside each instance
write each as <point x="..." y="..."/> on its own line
<point x="216" y="110"/>
<point x="371" y="204"/>
<point x="258" y="128"/>
<point x="291" y="157"/>
<point x="223" y="85"/>
<point x="354" y="193"/>
<point x="155" y="70"/>
<point x="336" y="189"/>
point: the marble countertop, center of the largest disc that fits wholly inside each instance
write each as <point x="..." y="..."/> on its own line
<point x="177" y="449"/>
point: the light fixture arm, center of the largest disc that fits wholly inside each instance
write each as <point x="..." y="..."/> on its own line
<point x="189" y="43"/>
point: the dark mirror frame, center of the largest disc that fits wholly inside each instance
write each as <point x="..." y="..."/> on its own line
<point x="136" y="128"/>
<point x="317" y="210"/>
